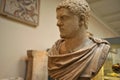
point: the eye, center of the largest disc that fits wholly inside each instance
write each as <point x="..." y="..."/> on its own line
<point x="63" y="17"/>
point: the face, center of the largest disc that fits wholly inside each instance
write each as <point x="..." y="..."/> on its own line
<point x="68" y="23"/>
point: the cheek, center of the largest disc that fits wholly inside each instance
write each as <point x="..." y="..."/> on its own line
<point x="74" y="25"/>
<point x="71" y="29"/>
<point x="71" y="25"/>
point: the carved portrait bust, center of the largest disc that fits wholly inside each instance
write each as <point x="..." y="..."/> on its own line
<point x="76" y="56"/>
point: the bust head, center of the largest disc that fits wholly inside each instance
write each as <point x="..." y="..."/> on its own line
<point x="77" y="7"/>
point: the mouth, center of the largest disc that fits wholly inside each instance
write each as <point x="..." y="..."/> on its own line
<point x="61" y="30"/>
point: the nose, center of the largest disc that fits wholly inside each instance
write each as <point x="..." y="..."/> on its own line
<point x="59" y="23"/>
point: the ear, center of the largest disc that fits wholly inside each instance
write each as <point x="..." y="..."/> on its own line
<point x="81" y="21"/>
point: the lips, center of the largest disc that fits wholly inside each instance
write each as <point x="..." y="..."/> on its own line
<point x="61" y="29"/>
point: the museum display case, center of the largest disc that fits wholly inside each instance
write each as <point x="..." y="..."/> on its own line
<point x="111" y="68"/>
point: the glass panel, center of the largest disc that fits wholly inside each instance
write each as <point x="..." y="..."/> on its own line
<point x="112" y="64"/>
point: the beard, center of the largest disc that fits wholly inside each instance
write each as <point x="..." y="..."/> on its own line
<point x="66" y="35"/>
<point x="62" y="36"/>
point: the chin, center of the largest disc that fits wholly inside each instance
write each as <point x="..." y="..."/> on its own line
<point x="62" y="36"/>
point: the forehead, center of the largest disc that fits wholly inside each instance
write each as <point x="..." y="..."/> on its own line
<point x="64" y="11"/>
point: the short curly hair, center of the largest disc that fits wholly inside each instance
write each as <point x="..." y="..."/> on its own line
<point x="77" y="7"/>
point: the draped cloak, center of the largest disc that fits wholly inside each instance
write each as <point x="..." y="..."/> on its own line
<point x="85" y="62"/>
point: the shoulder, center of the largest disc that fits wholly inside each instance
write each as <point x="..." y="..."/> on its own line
<point x="99" y="40"/>
<point x="57" y="43"/>
<point x="104" y="44"/>
<point x="55" y="47"/>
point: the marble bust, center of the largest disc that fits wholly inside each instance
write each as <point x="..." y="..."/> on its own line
<point x="77" y="55"/>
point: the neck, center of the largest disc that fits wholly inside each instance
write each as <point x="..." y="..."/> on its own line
<point x="76" y="42"/>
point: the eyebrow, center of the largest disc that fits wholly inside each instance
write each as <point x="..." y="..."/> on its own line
<point x="62" y="16"/>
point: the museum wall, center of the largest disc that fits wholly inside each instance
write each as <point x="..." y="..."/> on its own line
<point x="16" y="38"/>
<point x="100" y="29"/>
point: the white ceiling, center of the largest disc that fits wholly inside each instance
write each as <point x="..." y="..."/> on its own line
<point x="108" y="11"/>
